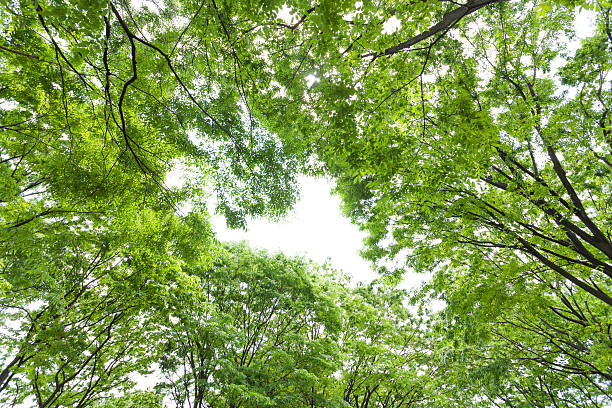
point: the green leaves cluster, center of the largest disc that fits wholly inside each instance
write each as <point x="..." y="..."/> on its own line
<point x="269" y="331"/>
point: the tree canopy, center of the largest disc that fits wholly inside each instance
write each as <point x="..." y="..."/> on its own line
<point x="471" y="140"/>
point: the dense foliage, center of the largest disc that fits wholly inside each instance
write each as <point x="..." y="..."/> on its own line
<point x="272" y="331"/>
<point x="471" y="140"/>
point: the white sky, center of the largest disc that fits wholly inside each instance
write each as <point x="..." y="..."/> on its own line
<point x="584" y="24"/>
<point x="315" y="229"/>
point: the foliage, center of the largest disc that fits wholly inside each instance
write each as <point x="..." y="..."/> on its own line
<point x="80" y="302"/>
<point x="384" y="361"/>
<point x="278" y="332"/>
<point x="138" y="399"/>
<point x="99" y="102"/>
<point x="480" y="155"/>
<point x="93" y="117"/>
<point x="262" y="334"/>
<point x="464" y="137"/>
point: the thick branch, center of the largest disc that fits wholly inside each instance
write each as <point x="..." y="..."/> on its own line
<point x="448" y="20"/>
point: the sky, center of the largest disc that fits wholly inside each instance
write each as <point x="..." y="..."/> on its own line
<point x="315" y="229"/>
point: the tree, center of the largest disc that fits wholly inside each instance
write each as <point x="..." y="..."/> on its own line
<point x="457" y="142"/>
<point x="384" y="364"/>
<point x="274" y="331"/>
<point x="262" y="333"/>
<point x="94" y="113"/>
<point x="494" y="174"/>
<point x="80" y="302"/>
<point x="138" y="399"/>
<point x="99" y="98"/>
